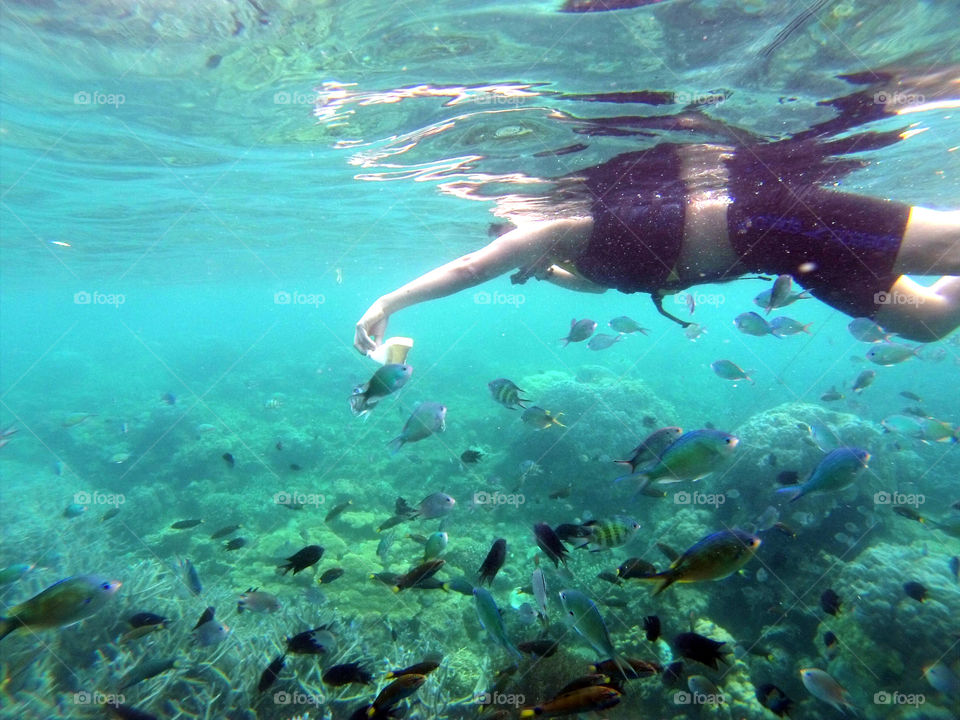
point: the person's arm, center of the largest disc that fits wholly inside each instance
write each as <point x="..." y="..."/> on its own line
<point x="521" y="246"/>
<point x="569" y="281"/>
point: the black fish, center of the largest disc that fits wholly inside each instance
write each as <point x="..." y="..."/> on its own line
<point x="295" y="467"/>
<point x="788" y="477"/>
<point x="347" y="673"/>
<point x="697" y="647"/>
<point x="269" y="675"/>
<point x="610" y="577"/>
<point x="330" y="575"/>
<point x="492" y="562"/>
<point x="651" y="626"/>
<point x="911" y="396"/>
<point x="774" y="699"/>
<point x="415" y="577"/>
<point x="205" y="618"/>
<point x="185" y="524"/>
<point x="402" y="512"/>
<point x="772" y="460"/>
<point x="672" y="674"/>
<point x="586" y="681"/>
<point x="393" y="580"/>
<point x="142" y="619"/>
<point x="228" y="459"/>
<point x="471" y="457"/>
<point x="830" y="602"/>
<point x="915" y="590"/>
<point x="572" y="531"/>
<point x="955" y="568"/>
<point x="224" y="531"/>
<point x="636" y="568"/>
<point x="539" y="648"/>
<point x="668" y="551"/>
<point x="279" y="445"/>
<point x="785" y="529"/>
<point x="213" y="62"/>
<point x="709" y="426"/>
<point x="305" y="643"/>
<point x="829" y="639"/>
<point x="649" y="421"/>
<point x="235" y="543"/>
<point x="337" y="510"/>
<point x="549" y="542"/>
<point x="302" y="559"/>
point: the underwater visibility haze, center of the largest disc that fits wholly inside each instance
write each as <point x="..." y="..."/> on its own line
<point x="554" y="503"/>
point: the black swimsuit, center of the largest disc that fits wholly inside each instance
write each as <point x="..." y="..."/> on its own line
<point x="638" y="202"/>
<point x="841" y="247"/>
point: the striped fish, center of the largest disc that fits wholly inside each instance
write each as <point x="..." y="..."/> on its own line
<point x="606" y="534"/>
<point x="507" y="393"/>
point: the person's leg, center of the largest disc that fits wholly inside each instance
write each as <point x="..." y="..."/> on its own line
<point x="931" y="243"/>
<point x="931" y="246"/>
<point x="921" y="313"/>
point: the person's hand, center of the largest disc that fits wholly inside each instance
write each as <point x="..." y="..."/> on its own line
<point x="371" y="329"/>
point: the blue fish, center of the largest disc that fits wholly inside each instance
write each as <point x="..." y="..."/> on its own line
<point x="837" y="471"/>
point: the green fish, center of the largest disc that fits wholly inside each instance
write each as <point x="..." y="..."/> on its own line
<point x="624" y="324"/>
<point x="692" y="456"/>
<point x="64" y="603"/>
<point x="491" y="620"/>
<point x="837" y="471"/>
<point x="435" y="546"/>
<point x="713" y="557"/>
<point x="584" y="617"/>
<point x="730" y="371"/>
<point x="386" y="380"/>
<point x="14" y="572"/>
<point x="888" y="353"/>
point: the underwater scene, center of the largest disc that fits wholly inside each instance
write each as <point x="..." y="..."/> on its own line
<point x="490" y="359"/>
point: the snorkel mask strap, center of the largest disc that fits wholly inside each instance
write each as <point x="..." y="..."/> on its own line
<point x="658" y="303"/>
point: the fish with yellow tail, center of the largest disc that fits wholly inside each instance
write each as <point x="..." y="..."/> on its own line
<point x="713" y="557"/>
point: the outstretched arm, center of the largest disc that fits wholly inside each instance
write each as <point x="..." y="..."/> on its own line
<point x="522" y="246"/>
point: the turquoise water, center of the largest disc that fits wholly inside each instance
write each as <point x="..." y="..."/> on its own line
<point x="173" y="173"/>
